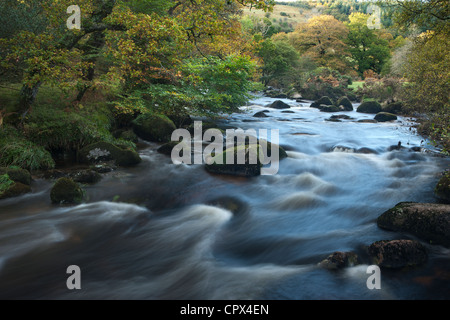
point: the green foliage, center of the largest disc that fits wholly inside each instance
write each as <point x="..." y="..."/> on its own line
<point x="5" y="183"/>
<point x="15" y="151"/>
<point x="281" y="62"/>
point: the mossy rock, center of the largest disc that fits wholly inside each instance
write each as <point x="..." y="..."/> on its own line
<point x="326" y="108"/>
<point x="427" y="221"/>
<point x="17" y="174"/>
<point x="338" y="260"/>
<point x="66" y="191"/>
<point x="181" y="120"/>
<point x="346" y="103"/>
<point x="442" y="190"/>
<point x="325" y="100"/>
<point x="261" y="114"/>
<point x="219" y="163"/>
<point x="129" y="135"/>
<point x="104" y="151"/>
<point x="395" y="108"/>
<point x="154" y="127"/>
<point x="369" y="107"/>
<point x="397" y="253"/>
<point x="167" y="147"/>
<point x="16" y="189"/>
<point x="385" y="117"/>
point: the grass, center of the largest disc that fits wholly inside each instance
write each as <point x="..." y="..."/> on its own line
<point x="356" y="85"/>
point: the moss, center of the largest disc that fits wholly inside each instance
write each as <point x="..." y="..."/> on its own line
<point x="9" y="188"/>
<point x="153" y="127"/>
<point x="385" y="117"/>
<point x="17" y="174"/>
<point x="65" y="190"/>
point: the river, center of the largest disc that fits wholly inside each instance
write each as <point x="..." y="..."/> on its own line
<point x="165" y="231"/>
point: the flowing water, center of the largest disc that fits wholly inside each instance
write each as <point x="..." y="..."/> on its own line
<point x="165" y="231"/>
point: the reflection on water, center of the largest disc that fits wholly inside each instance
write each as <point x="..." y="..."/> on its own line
<point x="161" y="231"/>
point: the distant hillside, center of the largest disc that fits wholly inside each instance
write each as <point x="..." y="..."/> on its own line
<point x="285" y="14"/>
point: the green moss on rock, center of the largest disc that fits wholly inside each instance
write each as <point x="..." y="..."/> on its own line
<point x="17" y="174"/>
<point x="153" y="127"/>
<point x="385" y="117"/>
<point x="442" y="190"/>
<point x="397" y="253"/>
<point x="104" y="151"/>
<point x="369" y="107"/>
<point x="345" y="103"/>
<point x="66" y="191"/>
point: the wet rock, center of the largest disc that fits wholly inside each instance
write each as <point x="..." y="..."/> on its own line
<point x="396" y="147"/>
<point x="87" y="176"/>
<point x="260" y="114"/>
<point x="219" y="163"/>
<point x="341" y="116"/>
<point x="288" y="111"/>
<point x="395" y="108"/>
<point x="66" y="191"/>
<point x="278" y="105"/>
<point x="427" y="221"/>
<point x="14" y="190"/>
<point x="339" y="260"/>
<point x="322" y="101"/>
<point x="369" y="107"/>
<point x="368" y="121"/>
<point x="152" y="127"/>
<point x="17" y="174"/>
<point x="365" y="150"/>
<point x="326" y="108"/>
<point x="397" y="253"/>
<point x="442" y="190"/>
<point x="385" y="117"/>
<point x="104" y="151"/>
<point x="345" y="103"/>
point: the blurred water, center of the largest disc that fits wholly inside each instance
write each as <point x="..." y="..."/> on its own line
<point x="178" y="232"/>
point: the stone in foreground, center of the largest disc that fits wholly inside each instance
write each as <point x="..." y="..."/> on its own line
<point x="397" y="253"/>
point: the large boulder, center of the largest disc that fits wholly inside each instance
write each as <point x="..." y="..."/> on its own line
<point x="339" y="260"/>
<point x="385" y="117"/>
<point x="104" y="151"/>
<point x="154" y="127"/>
<point x="397" y="253"/>
<point x="17" y="174"/>
<point x="345" y="103"/>
<point x="66" y="191"/>
<point x="278" y="105"/>
<point x="369" y="107"/>
<point x="442" y="190"/>
<point x="14" y="182"/>
<point x="428" y="221"/>
<point x="219" y="163"/>
<point x="322" y="101"/>
<point x="395" y="108"/>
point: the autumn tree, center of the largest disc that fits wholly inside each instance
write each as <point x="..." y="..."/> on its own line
<point x="322" y="39"/>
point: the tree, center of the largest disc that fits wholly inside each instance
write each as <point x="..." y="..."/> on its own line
<point x="322" y="39"/>
<point x="367" y="48"/>
<point x="280" y="60"/>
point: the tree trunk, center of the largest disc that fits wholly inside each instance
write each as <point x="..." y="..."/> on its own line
<point x="27" y="98"/>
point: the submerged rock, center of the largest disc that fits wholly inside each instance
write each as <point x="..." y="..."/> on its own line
<point x="278" y="105"/>
<point x="427" y="221"/>
<point x="369" y="107"/>
<point x="104" y="151"/>
<point x="66" y="191"/>
<point x="442" y="190"/>
<point x="397" y="253"/>
<point x="385" y="117"/>
<point x="339" y="260"/>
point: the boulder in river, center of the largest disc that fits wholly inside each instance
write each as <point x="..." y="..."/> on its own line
<point x="427" y="221"/>
<point x="278" y="105"/>
<point x="66" y="191"/>
<point x="442" y="190"/>
<point x="104" y="151"/>
<point x="322" y="101"/>
<point x="395" y="108"/>
<point x="339" y="260"/>
<point x="260" y="114"/>
<point x="326" y="108"/>
<point x="369" y="107"/>
<point x="14" y="182"/>
<point x="397" y="253"/>
<point x="345" y="103"/>
<point x="385" y="117"/>
<point x="154" y="127"/>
